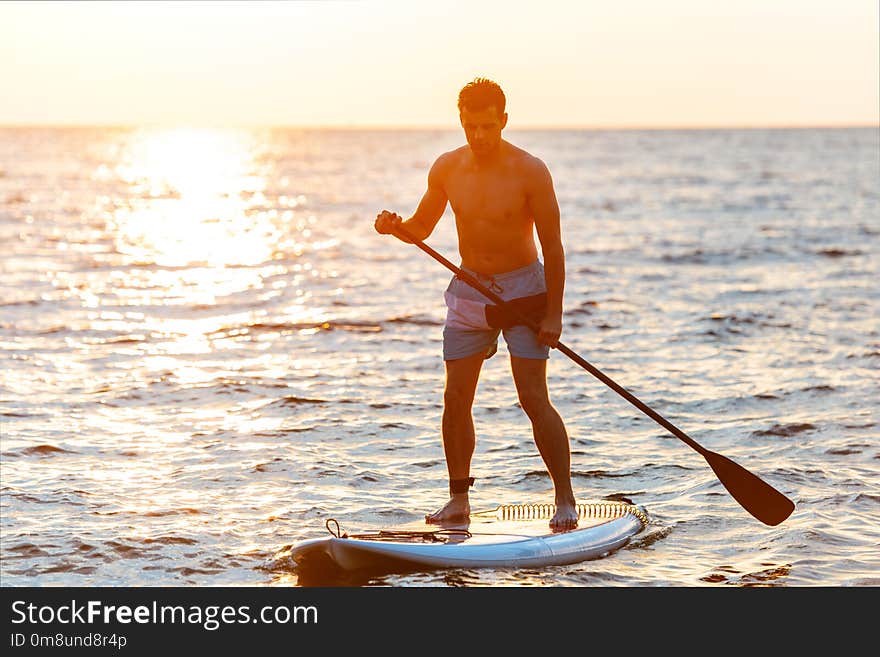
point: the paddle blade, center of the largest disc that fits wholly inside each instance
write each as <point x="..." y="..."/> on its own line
<point x="755" y="495"/>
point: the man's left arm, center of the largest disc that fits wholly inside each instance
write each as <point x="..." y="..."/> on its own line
<point x="545" y="212"/>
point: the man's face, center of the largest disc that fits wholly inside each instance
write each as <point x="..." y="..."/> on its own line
<point x="483" y="129"/>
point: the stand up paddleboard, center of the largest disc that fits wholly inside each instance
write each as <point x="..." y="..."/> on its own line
<point x="516" y="536"/>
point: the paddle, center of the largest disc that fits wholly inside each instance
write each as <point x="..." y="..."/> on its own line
<point x="755" y="495"/>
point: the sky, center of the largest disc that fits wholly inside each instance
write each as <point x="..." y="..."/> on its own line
<point x="592" y="63"/>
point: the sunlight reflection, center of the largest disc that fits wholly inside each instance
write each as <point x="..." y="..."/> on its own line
<point x="194" y="193"/>
<point x="198" y="223"/>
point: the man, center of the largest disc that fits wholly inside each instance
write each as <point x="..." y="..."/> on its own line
<point x="499" y="194"/>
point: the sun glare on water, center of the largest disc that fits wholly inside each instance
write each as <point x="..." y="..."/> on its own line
<point x="199" y="229"/>
<point x="192" y="195"/>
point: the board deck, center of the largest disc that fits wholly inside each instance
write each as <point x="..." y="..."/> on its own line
<point x="507" y="536"/>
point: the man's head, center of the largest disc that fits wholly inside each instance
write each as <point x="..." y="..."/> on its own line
<point x="481" y="106"/>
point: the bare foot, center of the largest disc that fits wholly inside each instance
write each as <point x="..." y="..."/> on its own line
<point x="457" y="509"/>
<point x="565" y="518"/>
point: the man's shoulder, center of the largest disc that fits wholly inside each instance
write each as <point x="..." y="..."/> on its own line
<point x="448" y="160"/>
<point x="522" y="158"/>
<point x="530" y="166"/>
<point x="454" y="156"/>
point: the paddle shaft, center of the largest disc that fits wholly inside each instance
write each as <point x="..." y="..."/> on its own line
<point x="604" y="378"/>
<point x="754" y="494"/>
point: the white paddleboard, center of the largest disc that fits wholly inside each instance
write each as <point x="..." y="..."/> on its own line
<point x="516" y="536"/>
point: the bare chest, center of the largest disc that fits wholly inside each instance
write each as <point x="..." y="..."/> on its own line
<point x="487" y="196"/>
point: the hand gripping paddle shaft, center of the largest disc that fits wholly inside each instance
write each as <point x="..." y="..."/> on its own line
<point x="754" y="494"/>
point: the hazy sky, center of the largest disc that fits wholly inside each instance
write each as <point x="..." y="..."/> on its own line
<point x="587" y="63"/>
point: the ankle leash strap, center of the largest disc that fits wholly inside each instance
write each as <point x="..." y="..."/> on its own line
<point x="457" y="486"/>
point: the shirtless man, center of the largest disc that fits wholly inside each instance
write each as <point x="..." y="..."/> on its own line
<point x="499" y="194"/>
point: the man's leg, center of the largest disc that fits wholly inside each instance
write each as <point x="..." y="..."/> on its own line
<point x="530" y="376"/>
<point x="458" y="432"/>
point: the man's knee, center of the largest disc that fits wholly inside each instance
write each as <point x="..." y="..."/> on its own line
<point x="534" y="400"/>
<point x="457" y="401"/>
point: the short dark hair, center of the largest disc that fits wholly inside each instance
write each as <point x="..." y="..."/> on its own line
<point x="481" y="94"/>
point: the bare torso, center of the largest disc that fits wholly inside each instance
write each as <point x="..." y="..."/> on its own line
<point x="490" y="200"/>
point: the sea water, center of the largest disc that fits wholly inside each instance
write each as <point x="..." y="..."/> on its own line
<point x="207" y="351"/>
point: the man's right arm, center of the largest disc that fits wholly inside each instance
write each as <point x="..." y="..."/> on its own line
<point x="430" y="209"/>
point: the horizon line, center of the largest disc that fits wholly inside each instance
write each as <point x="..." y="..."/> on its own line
<point x="447" y="127"/>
